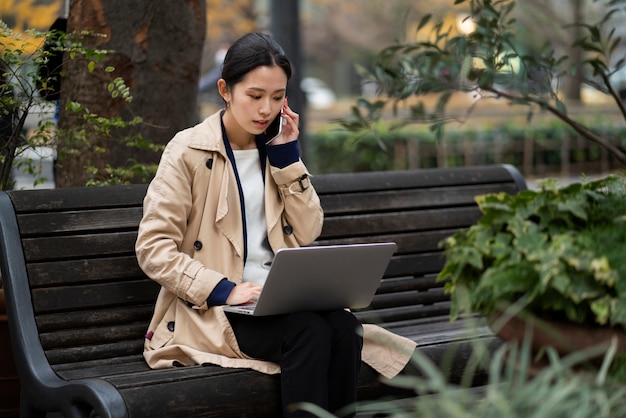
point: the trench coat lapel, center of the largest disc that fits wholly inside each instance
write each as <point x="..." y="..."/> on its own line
<point x="228" y="215"/>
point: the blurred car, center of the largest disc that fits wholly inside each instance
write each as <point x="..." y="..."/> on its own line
<point x="318" y="94"/>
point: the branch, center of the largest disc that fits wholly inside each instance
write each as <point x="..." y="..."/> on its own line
<point x="582" y="130"/>
<point x="614" y="94"/>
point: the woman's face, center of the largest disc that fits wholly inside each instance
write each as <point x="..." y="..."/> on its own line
<point x="256" y="100"/>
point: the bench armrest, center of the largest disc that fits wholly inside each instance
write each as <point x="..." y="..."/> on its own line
<point x="39" y="383"/>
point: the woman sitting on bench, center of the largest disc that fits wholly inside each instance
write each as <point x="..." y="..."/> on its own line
<point x="224" y="199"/>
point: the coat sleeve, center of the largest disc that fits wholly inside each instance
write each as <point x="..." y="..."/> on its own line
<point x="303" y="214"/>
<point x="166" y="209"/>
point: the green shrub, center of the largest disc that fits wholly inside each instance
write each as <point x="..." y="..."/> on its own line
<point x="558" y="250"/>
<point x="340" y="151"/>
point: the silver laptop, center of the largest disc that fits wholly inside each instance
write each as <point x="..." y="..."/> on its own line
<point x="321" y="278"/>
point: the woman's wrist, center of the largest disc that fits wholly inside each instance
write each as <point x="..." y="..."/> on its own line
<point x="282" y="155"/>
<point x="220" y="293"/>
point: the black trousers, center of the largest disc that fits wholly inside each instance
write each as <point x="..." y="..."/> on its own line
<point x="319" y="354"/>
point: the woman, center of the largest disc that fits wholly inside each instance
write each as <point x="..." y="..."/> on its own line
<point x="222" y="202"/>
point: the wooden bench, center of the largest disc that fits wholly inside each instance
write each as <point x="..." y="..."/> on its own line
<point x="79" y="305"/>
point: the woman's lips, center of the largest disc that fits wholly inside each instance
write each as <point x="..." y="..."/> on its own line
<point x="261" y="124"/>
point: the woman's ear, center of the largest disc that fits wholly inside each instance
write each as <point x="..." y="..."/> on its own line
<point x="223" y="90"/>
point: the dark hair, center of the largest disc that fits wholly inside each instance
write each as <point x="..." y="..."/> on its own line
<point x="251" y="51"/>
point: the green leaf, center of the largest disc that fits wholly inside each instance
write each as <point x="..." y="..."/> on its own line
<point x="584" y="289"/>
<point x="529" y="239"/>
<point x="602" y="308"/>
<point x="574" y="206"/>
<point x="424" y="21"/>
<point x="618" y="312"/>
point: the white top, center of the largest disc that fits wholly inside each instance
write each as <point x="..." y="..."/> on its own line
<point x="259" y="253"/>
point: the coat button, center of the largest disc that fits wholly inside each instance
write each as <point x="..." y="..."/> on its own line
<point x="288" y="230"/>
<point x="197" y="245"/>
<point x="170" y="326"/>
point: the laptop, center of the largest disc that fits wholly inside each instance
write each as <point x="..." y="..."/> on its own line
<point x="321" y="278"/>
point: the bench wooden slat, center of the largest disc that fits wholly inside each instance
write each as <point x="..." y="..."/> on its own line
<point x="408" y="242"/>
<point x="113" y="316"/>
<point x="116" y="219"/>
<point x="429" y="331"/>
<point x="256" y="395"/>
<point x="102" y="367"/>
<point x="422" y="264"/>
<point x="335" y="204"/>
<point x="404" y="284"/>
<point x="95" y="351"/>
<point x="388" y="316"/>
<point x="384" y="223"/>
<point x="408" y="298"/>
<point x="148" y="376"/>
<point x="97" y="296"/>
<point x="372" y="181"/>
<point x="79" y="246"/>
<point x="69" y="272"/>
<point x="78" y="337"/>
<point x="89" y="198"/>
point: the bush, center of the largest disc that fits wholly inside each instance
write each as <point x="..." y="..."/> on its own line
<point x="343" y="152"/>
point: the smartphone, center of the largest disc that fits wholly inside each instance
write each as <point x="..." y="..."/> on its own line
<point x="274" y="129"/>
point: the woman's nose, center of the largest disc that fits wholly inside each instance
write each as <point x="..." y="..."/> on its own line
<point x="266" y="108"/>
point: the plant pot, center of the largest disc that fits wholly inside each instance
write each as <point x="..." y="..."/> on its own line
<point x="565" y="337"/>
<point x="9" y="383"/>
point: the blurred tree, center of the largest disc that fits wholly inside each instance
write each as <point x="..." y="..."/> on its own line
<point x="336" y="35"/>
<point x="227" y="20"/>
<point x="488" y="63"/>
<point x="157" y="48"/>
<point x="552" y="20"/>
<point x="29" y="75"/>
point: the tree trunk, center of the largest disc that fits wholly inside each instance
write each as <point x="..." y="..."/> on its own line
<point x="157" y="48"/>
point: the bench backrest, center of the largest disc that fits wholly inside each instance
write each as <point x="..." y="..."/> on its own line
<point x="92" y="301"/>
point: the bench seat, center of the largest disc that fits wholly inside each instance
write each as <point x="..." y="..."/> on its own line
<point x="79" y="305"/>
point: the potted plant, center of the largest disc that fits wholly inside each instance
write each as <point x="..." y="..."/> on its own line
<point x="555" y="253"/>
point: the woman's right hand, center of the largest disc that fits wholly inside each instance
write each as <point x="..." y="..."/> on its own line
<point x="244" y="293"/>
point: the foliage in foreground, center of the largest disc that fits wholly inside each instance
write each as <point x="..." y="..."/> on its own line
<point x="565" y="388"/>
<point x="558" y="391"/>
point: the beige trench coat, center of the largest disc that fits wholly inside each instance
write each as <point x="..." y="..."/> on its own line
<point x="191" y="237"/>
